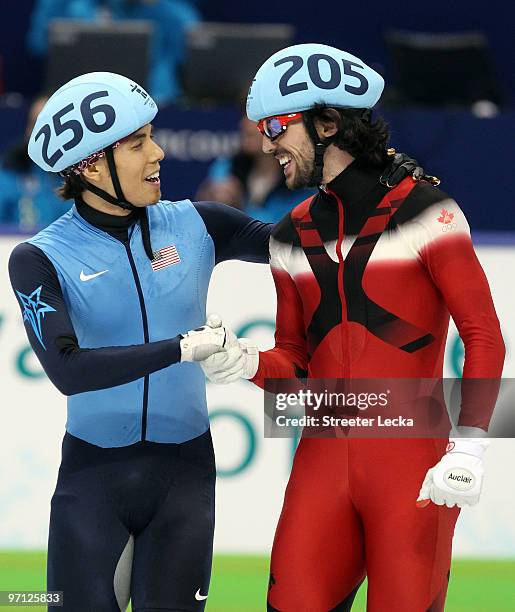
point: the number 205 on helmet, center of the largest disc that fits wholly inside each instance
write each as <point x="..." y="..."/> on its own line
<point x="298" y="77"/>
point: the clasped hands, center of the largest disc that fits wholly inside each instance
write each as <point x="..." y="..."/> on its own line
<point x="223" y="357"/>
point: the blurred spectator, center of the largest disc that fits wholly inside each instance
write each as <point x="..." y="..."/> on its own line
<point x="251" y="180"/>
<point x="170" y="19"/>
<point x="27" y="194"/>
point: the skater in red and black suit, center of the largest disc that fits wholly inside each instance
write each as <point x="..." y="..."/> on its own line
<point x="367" y="273"/>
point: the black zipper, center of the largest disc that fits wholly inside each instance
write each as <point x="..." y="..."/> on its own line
<point x="145" y="334"/>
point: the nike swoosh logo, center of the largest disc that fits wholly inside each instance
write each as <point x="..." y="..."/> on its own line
<point x="88" y="277"/>
<point x="200" y="597"/>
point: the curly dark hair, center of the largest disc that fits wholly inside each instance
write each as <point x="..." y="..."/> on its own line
<point x="71" y="188"/>
<point x="362" y="138"/>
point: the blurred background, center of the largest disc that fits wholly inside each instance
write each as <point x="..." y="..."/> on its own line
<point x="450" y="103"/>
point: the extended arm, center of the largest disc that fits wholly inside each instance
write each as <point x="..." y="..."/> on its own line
<point x="288" y="359"/>
<point x="235" y="234"/>
<point x="50" y="331"/>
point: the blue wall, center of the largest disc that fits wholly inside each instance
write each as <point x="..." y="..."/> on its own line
<point x="473" y="157"/>
<point x="359" y="26"/>
<point x="355" y="26"/>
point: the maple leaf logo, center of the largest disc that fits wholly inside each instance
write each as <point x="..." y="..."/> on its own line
<point x="446" y="217"/>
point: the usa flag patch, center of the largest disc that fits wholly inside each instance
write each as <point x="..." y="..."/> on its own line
<point x="167" y="256"/>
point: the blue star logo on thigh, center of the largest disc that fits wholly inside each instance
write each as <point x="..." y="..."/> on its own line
<point x="34" y="311"/>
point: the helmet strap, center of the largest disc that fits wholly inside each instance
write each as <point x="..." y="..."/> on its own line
<point x="320" y="149"/>
<point x="121" y="201"/>
<point x="103" y="194"/>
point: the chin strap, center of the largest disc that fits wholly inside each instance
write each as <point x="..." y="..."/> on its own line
<point x="116" y="181"/>
<point x="121" y="201"/>
<point x="322" y="144"/>
<point x="320" y="148"/>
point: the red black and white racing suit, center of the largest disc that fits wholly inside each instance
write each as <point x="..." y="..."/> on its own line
<point x="366" y="279"/>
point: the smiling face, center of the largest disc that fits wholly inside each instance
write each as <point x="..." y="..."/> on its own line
<point x="137" y="165"/>
<point x="295" y="152"/>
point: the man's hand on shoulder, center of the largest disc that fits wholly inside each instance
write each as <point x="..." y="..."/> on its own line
<point x="401" y="166"/>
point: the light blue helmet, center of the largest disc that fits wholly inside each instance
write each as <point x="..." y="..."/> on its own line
<point x="298" y="77"/>
<point x="86" y="115"/>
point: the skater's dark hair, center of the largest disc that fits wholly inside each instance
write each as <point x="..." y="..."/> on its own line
<point x="364" y="139"/>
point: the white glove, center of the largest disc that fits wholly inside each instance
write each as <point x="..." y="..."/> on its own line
<point x="198" y="344"/>
<point x="457" y="478"/>
<point x="241" y="360"/>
